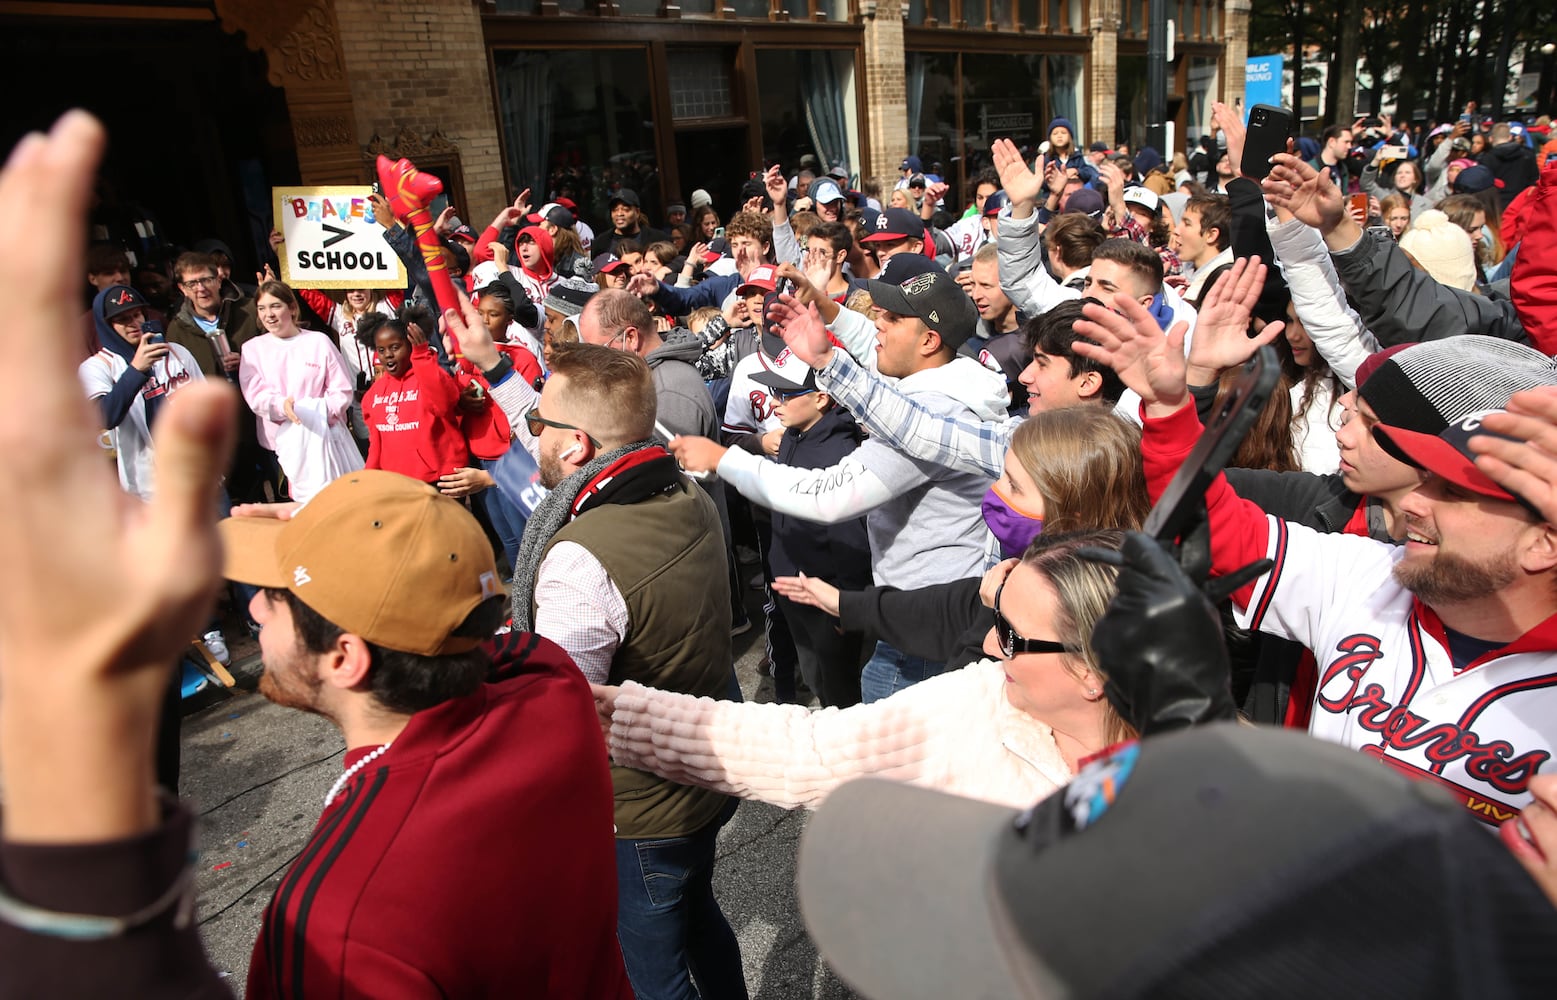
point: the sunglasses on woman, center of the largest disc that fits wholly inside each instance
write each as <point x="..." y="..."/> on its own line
<point x="1012" y="643"/>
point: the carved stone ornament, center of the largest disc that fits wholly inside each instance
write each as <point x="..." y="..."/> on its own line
<point x="325" y="130"/>
<point x="410" y="145"/>
<point x="298" y="36"/>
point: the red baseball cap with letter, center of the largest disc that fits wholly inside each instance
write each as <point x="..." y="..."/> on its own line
<point x="763" y="277"/>
<point x="1447" y="455"/>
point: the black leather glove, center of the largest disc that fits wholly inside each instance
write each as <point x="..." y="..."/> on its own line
<point x="1161" y="644"/>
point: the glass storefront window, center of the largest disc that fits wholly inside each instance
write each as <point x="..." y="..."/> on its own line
<point x="750" y="8"/>
<point x="699" y="84"/>
<point x="942" y="9"/>
<point x="639" y="8"/>
<point x="578" y="123"/>
<point x="518" y="6"/>
<point x="690" y="8"/>
<point x="809" y="108"/>
<point x="1002" y="97"/>
<point x="1201" y="88"/>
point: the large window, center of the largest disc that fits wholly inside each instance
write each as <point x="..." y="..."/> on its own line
<point x="960" y="103"/>
<point x="578" y="123"/>
<point x="809" y="108"/>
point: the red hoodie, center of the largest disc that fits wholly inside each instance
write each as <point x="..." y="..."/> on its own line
<point x="414" y="421"/>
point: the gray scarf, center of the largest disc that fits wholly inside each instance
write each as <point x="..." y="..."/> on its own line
<point x="551" y="515"/>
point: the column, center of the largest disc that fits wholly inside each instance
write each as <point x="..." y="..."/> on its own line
<point x="1103" y="77"/>
<point x="1235" y="48"/>
<point x="886" y="91"/>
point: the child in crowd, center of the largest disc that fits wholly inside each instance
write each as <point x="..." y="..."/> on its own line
<point x="818" y="435"/>
<point x="412" y="409"/>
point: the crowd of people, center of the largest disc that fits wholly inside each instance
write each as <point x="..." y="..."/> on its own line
<point x="503" y="545"/>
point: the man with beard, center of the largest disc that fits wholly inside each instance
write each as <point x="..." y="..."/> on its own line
<point x="1439" y="656"/>
<point x="615" y="568"/>
<point x="380" y="601"/>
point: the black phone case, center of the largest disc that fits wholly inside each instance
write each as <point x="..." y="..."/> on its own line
<point x="1269" y="129"/>
<point x="1179" y="504"/>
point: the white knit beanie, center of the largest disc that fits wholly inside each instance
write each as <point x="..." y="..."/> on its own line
<point x="700" y="198"/>
<point x="1442" y="248"/>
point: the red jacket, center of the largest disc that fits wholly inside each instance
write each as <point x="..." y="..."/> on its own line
<point x="474" y="858"/>
<point x="414" y="421"/>
<point x="1533" y="283"/>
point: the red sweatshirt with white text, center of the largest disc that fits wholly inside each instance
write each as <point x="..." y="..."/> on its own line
<point x="414" y="421"/>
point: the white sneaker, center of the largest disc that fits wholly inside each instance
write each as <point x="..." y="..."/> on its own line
<point x="217" y="644"/>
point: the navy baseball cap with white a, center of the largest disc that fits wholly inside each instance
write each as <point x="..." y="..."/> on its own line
<point x="895" y="224"/>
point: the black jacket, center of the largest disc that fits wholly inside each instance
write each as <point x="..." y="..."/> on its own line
<point x="837" y="553"/>
<point x="1513" y="166"/>
<point x="945" y="623"/>
<point x="1404" y="305"/>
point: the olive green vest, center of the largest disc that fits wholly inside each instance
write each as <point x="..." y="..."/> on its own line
<point x="666" y="555"/>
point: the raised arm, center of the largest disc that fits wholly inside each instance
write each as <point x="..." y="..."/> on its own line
<point x="955" y="442"/>
<point x="780" y="754"/>
<point x="1319" y="300"/>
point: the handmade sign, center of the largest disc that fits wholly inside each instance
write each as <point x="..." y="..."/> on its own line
<point x="333" y="240"/>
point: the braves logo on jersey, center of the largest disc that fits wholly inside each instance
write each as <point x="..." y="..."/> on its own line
<point x="762" y="405"/>
<point x="1460" y="733"/>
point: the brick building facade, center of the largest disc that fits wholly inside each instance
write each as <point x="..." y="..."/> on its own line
<point x="668" y="95"/>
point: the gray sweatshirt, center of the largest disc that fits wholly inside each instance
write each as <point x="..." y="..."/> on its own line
<point x="924" y="520"/>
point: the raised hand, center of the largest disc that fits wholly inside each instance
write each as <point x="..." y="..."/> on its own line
<point x="383" y="214"/>
<point x="808" y="590"/>
<point x="803" y="331"/>
<point x="752" y="205"/>
<point x="696" y="454"/>
<point x="643" y="285"/>
<point x="1527" y="467"/>
<point x="1129" y="341"/>
<point x="1532" y="836"/>
<point x="1222" y="338"/>
<point x="465" y="333"/>
<point x="1233" y="132"/>
<point x="1309" y="194"/>
<point x="499" y="255"/>
<point x="777" y="188"/>
<point x="443" y="223"/>
<point x="1021" y="184"/>
<point x="276" y="241"/>
<point x="79" y="700"/>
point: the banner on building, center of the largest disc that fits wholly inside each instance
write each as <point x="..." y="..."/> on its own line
<point x="1262" y="82"/>
<point x="333" y="240"/>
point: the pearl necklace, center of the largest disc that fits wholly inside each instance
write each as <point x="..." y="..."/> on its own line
<point x="340" y="782"/>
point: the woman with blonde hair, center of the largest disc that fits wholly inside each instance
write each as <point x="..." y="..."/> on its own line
<point x="1009" y="728"/>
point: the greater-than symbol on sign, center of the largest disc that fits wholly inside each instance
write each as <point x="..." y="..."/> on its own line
<point x="340" y="234"/>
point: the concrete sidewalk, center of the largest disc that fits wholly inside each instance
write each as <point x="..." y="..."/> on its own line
<point x="257" y="775"/>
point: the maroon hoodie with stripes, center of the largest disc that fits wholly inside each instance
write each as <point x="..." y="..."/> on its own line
<point x="474" y="858"/>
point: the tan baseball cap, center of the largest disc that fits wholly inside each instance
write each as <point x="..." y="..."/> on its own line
<point x="379" y="554"/>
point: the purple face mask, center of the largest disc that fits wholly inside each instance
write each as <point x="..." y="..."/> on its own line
<point x="1011" y="528"/>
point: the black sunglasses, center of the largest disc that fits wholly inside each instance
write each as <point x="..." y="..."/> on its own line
<point x="1011" y="643"/>
<point x="536" y="424"/>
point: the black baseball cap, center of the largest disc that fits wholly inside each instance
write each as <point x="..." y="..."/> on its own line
<point x="624" y="196"/>
<point x="914" y="285"/>
<point x="1222" y="861"/>
<point x="895" y="224"/>
<point x="120" y="299"/>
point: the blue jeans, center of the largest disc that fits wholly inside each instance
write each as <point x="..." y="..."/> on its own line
<point x="669" y="924"/>
<point x="507" y="520"/>
<point x="890" y="670"/>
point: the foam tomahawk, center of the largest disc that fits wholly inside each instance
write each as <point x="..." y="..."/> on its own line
<point x="410" y="193"/>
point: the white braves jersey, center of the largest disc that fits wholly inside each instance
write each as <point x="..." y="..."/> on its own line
<point x="1386" y="684"/>
<point x="967" y="235"/>
<point x="749" y="408"/>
